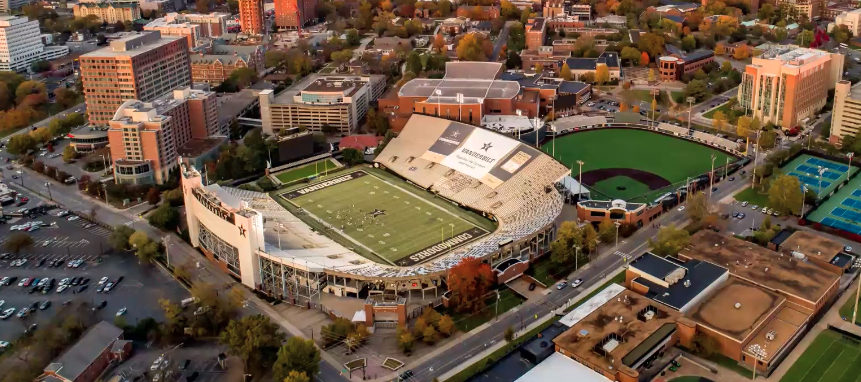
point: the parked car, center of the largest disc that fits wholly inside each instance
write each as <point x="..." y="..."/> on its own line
<point x="576" y="283"/>
<point x="562" y="285"/>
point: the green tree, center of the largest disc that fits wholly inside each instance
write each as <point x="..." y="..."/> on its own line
<point x="696" y="89"/>
<point x="41" y="135"/>
<point x="743" y="126"/>
<point x="297" y="355"/>
<point x="718" y="120"/>
<point x="296" y="376"/>
<point x="20" y="144"/>
<point x="509" y="334"/>
<point x="352" y="156"/>
<point x="243" y="77"/>
<point x="652" y="44"/>
<point x="405" y="342"/>
<point x="607" y="230"/>
<point x="430" y="336"/>
<point x="276" y="59"/>
<point x="69" y="154"/>
<point x="784" y="194"/>
<point x="565" y="72"/>
<point x="40" y="66"/>
<point x="65" y="97"/>
<point x="414" y="62"/>
<point x="669" y="241"/>
<point x="254" y="339"/>
<point x="689" y="43"/>
<point x="631" y="54"/>
<point x="18" y="241"/>
<point x="726" y="67"/>
<point x="513" y="61"/>
<point x="119" y="238"/>
<point x="651" y="77"/>
<point x="138" y="239"/>
<point x="697" y="206"/>
<point x="164" y="217"/>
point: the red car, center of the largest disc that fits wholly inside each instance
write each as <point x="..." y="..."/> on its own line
<point x="25" y="199"/>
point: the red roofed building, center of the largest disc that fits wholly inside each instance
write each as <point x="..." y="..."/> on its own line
<point x="359" y="142"/>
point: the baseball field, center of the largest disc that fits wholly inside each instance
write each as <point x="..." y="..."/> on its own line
<point x="634" y="165"/>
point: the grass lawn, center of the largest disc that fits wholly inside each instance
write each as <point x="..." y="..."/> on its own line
<point x="465" y="322"/>
<point x="829" y="358"/>
<point x="723" y="108"/>
<point x="846" y="309"/>
<point x="305" y="171"/>
<point x="381" y="216"/>
<point x="752" y="196"/>
<point x="671" y="158"/>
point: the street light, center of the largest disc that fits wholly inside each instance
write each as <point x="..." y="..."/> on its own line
<point x="617" y="224"/>
<point x="166" y="240"/>
<point x="821" y="171"/>
<point x="712" y="177"/>
<point x="755" y="155"/>
<point x="803" y="193"/>
<point x="759" y="354"/>
<point x="690" y="108"/>
<point x="48" y="186"/>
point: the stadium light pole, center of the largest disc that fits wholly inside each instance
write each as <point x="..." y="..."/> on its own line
<point x="759" y="354"/>
<point x="726" y="168"/>
<point x="617" y="224"/>
<point x="821" y="170"/>
<point x="712" y="177"/>
<point x="755" y="156"/>
<point x="849" y="162"/>
<point x="690" y="108"/>
<point x="580" y="180"/>
<point x="803" y="192"/>
<point x="857" y="296"/>
<point x="438" y="93"/>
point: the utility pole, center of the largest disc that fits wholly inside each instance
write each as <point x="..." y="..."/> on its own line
<point x="690" y="109"/>
<point x="755" y="155"/>
<point x="580" y="180"/>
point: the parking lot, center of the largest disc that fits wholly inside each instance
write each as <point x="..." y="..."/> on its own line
<point x="139" y="291"/>
<point x="202" y="358"/>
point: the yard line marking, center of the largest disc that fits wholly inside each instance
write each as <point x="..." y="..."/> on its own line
<point x="817" y="360"/>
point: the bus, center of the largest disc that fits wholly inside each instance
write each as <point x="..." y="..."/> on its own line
<point x="844" y="46"/>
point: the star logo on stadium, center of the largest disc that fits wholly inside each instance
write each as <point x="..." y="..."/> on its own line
<point x="242" y="230"/>
<point x="487" y="146"/>
<point x="455" y="134"/>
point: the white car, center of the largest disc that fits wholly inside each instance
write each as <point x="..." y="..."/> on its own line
<point x="682" y="208"/>
<point x="744" y="204"/>
<point x="65" y="281"/>
<point x="23" y="281"/>
<point x="2" y="302"/>
<point x="4" y="344"/>
<point x="109" y="286"/>
<point x="61" y="288"/>
<point x="73" y="218"/>
<point x="764" y="210"/>
<point x="47" y="242"/>
<point x="103" y="280"/>
<point x="7" y="313"/>
<point x="156" y="363"/>
<point x="122" y="312"/>
<point x="576" y="283"/>
<point x="847" y="249"/>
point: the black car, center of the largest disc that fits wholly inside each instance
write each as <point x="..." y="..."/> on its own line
<point x="82" y="288"/>
<point x="118" y="280"/>
<point x="31" y="329"/>
<point x="12" y="280"/>
<point x="34" y="289"/>
<point x="76" y="281"/>
<point x="85" y="281"/>
<point x="532" y="286"/>
<point x="45" y="304"/>
<point x="185" y="364"/>
<point x="40" y="263"/>
<point x="406" y="375"/>
<point x="34" y="305"/>
<point x="192" y="377"/>
<point x="102" y="304"/>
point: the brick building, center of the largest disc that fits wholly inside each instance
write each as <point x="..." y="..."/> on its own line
<point x="216" y="63"/>
<point x="293" y="14"/>
<point x="547" y="57"/>
<point x="536" y="31"/>
<point x="251" y="16"/>
<point x="674" y="66"/>
<point x="140" y="66"/>
<point x="90" y="356"/>
<point x="109" y="11"/>
<point x="478" y="12"/>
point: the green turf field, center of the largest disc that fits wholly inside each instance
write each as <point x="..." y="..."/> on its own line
<point x="671" y="158"/>
<point x="306" y="171"/>
<point x="829" y="358"/>
<point x="389" y="219"/>
<point x="633" y="188"/>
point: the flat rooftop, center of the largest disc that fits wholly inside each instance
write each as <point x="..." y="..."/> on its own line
<point x="674" y="283"/>
<point x="621" y="340"/>
<point x="133" y="44"/>
<point x="783" y="326"/>
<point x="559" y="365"/>
<point x="474" y="80"/>
<point x="721" y="312"/>
<point x="761" y="265"/>
<point x="198" y="146"/>
<point x="812" y="245"/>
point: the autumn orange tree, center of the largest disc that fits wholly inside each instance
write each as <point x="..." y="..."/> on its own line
<point x="468" y="282"/>
<point x="644" y="59"/>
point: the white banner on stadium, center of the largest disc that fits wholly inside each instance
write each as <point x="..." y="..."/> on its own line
<point x="479" y="153"/>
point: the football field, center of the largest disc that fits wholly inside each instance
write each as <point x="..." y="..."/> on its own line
<point x="396" y="223"/>
<point x="829" y="358"/>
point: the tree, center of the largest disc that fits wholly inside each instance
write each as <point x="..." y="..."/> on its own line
<point x="644" y="59"/>
<point x="153" y="196"/>
<point x="69" y="154"/>
<point x="297" y="355"/>
<point x="635" y="108"/>
<point x="41" y="135"/>
<point x="689" y="43"/>
<point x="651" y="75"/>
<point x="607" y="230"/>
<point x="414" y="62"/>
<point x="243" y="77"/>
<point x="276" y="59"/>
<point x="40" y="66"/>
<point x="704" y="345"/>
<point x="254" y="339"/>
<point x="631" y="54"/>
<point x="741" y="53"/>
<point x="623" y="107"/>
<point x="470" y="48"/>
<point x="20" y="144"/>
<point x="18" y="241"/>
<point x="766" y="12"/>
<point x="652" y="44"/>
<point x="669" y="241"/>
<point x="138" y="239"/>
<point x="565" y="72"/>
<point x="697" y="206"/>
<point x="468" y="282"/>
<point x="430" y="336"/>
<point x="784" y="194"/>
<point x="696" y="89"/>
<point x="405" y="341"/>
<point x="720" y="50"/>
<point x="352" y="156"/>
<point x="28" y="88"/>
<point x="201" y="6"/>
<point x="65" y="97"/>
<point x="588" y="77"/>
<point x="726" y="67"/>
<point x="602" y="74"/>
<point x="446" y="325"/>
<point x="718" y="120"/>
<point x="119" y="238"/>
<point x="164" y="217"/>
<point x="296" y="376"/>
<point x="743" y="126"/>
<point x="509" y="334"/>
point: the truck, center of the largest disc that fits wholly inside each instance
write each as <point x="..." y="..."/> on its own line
<point x="189" y="301"/>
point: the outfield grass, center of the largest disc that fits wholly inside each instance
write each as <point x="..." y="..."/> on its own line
<point x="672" y="158"/>
<point x="829" y="358"/>
<point x="381" y="216"/>
<point x="305" y="171"/>
<point x="632" y="188"/>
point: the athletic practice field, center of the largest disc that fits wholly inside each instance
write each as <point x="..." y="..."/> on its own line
<point x="391" y="219"/>
<point x="829" y="358"/>
<point x="305" y="171"/>
<point x="634" y="165"/>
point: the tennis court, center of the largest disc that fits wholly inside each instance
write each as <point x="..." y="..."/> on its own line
<point x="831" y="357"/>
<point x="819" y="175"/>
<point x="842" y="210"/>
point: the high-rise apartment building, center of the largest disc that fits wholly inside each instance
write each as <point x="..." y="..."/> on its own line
<point x="788" y="84"/>
<point x="7" y="6"/>
<point x="292" y="14"/>
<point x="109" y="11"/>
<point x="188" y="30"/>
<point x="846" y="115"/>
<point x="804" y="9"/>
<point x="145" y="136"/>
<point x="251" y="16"/>
<point x="138" y="67"/>
<point x="21" y="44"/>
<point x="851" y="20"/>
<point x="536" y="30"/>
<point x="192" y="25"/>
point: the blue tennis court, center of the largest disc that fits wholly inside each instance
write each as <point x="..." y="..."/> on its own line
<point x="846" y="214"/>
<point x="812" y="183"/>
<point x="856" y="193"/>
<point x="848" y="227"/>
<point x="828" y="164"/>
<point x="851" y="203"/>
<point x="813" y="170"/>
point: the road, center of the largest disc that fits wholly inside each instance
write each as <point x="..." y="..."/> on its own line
<point x="79" y="108"/>
<point x="501" y="40"/>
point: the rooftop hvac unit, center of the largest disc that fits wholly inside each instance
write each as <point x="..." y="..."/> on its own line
<point x="648" y="315"/>
<point x="771" y="335"/>
<point x="687" y="283"/>
<point x="738" y="305"/>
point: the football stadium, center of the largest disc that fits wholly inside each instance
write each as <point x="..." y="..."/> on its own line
<point x="635" y="164"/>
<point x="439" y="192"/>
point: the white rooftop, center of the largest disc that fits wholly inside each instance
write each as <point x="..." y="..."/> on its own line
<point x="567" y="123"/>
<point x="597" y="301"/>
<point x="558" y="367"/>
<point x="507" y="123"/>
